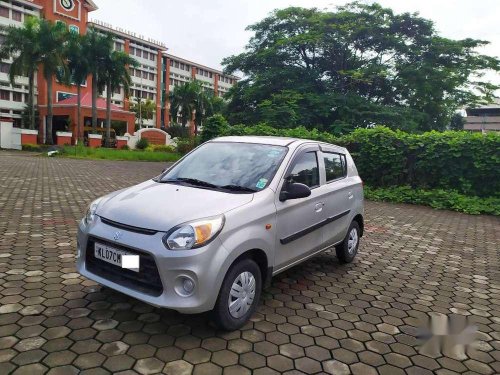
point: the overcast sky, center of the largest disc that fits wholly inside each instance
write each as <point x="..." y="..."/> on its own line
<point x="207" y="31"/>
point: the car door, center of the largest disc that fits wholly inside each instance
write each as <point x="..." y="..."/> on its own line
<point x="339" y="195"/>
<point x="299" y="221"/>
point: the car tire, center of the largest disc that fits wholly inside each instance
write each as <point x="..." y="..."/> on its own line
<point x="245" y="281"/>
<point x="347" y="250"/>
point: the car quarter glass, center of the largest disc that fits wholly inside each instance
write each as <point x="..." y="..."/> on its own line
<point x="335" y="166"/>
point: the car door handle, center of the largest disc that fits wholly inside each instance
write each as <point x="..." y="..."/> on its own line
<point x="319" y="207"/>
<point x="350" y="195"/>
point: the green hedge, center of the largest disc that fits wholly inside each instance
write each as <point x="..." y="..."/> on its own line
<point x="468" y="163"/>
<point x="437" y="198"/>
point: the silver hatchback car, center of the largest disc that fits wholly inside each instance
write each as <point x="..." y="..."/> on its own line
<point x="211" y="231"/>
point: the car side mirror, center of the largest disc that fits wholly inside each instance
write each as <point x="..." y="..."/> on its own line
<point x="294" y="190"/>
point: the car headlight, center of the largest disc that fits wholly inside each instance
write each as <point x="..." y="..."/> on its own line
<point x="90" y="215"/>
<point x="194" y="234"/>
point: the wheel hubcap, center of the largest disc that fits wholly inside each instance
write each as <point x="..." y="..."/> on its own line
<point x="352" y="242"/>
<point x="241" y="295"/>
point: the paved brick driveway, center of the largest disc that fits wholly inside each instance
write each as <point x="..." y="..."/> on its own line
<point x="317" y="317"/>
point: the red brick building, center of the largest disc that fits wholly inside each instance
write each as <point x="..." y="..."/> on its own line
<point x="157" y="74"/>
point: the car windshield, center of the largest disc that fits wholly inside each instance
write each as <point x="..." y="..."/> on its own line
<point x="235" y="167"/>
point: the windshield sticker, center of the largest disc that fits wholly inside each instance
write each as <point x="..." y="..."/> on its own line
<point x="261" y="184"/>
<point x="274" y="153"/>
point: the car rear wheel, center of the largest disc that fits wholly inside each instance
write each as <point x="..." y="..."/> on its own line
<point x="347" y="250"/>
<point x="239" y="296"/>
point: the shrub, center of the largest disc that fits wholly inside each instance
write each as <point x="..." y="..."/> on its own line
<point x="125" y="147"/>
<point x="213" y="127"/>
<point x="437" y="198"/>
<point x="185" y="145"/>
<point x="178" y="131"/>
<point x="142" y="144"/>
<point x="162" y="148"/>
<point x="466" y="162"/>
<point x="32" y="148"/>
<point x="453" y="160"/>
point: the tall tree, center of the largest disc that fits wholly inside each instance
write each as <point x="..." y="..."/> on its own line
<point x="356" y="66"/>
<point x="79" y="69"/>
<point x="143" y="109"/>
<point x="52" y="38"/>
<point x="190" y="102"/>
<point x="22" y="45"/>
<point x="100" y="47"/>
<point x="116" y="75"/>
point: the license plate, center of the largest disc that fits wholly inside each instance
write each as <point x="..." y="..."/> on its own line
<point x="110" y="255"/>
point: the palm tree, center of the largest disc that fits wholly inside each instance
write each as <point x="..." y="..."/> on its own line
<point x="144" y="110"/>
<point x="116" y="75"/>
<point x="52" y="38"/>
<point x="191" y="102"/>
<point x="79" y="69"/>
<point x="100" y="47"/>
<point x="21" y="44"/>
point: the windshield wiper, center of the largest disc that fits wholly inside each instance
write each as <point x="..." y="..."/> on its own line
<point x="238" y="188"/>
<point x="192" y="181"/>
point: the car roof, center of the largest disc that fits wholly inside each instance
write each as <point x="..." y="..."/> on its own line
<point x="269" y="140"/>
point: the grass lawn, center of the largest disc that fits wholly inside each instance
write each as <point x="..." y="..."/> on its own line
<point x="112" y="154"/>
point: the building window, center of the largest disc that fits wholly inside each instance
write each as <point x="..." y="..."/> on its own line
<point x="145" y="75"/>
<point x="4" y="95"/>
<point x="4" y="67"/>
<point x="151" y="77"/>
<point x="17" y="96"/>
<point x="4" y="12"/>
<point x="132" y="50"/>
<point x="171" y="62"/>
<point x="152" y="57"/>
<point x="138" y="52"/>
<point x="17" y="16"/>
<point x="118" y="91"/>
<point x="177" y="64"/>
<point x="74" y="29"/>
<point x="118" y="46"/>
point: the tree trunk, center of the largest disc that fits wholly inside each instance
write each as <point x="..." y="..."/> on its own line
<point x="31" y="100"/>
<point x="94" y="102"/>
<point x="79" y="134"/>
<point x="108" y="115"/>
<point x="49" y="137"/>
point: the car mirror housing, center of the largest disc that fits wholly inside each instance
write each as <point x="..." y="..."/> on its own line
<point x="294" y="191"/>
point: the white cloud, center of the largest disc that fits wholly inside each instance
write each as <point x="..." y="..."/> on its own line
<point x="208" y="31"/>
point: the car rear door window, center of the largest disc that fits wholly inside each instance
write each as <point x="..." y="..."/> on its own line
<point x="306" y="170"/>
<point x="335" y="166"/>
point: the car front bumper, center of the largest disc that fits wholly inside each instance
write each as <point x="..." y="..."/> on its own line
<point x="203" y="266"/>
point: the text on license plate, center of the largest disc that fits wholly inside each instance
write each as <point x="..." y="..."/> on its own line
<point x="110" y="254"/>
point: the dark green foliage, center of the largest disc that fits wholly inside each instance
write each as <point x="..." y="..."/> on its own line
<point x="466" y="162"/>
<point x="178" y="131"/>
<point x="214" y="126"/>
<point x="185" y="145"/>
<point x="437" y="198"/>
<point x="462" y="161"/>
<point x="142" y="144"/>
<point x="357" y="66"/>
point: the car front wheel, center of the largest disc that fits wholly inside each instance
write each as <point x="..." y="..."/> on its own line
<point x="239" y="296"/>
<point x="347" y="250"/>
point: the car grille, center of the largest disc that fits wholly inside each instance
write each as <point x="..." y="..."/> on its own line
<point x="147" y="280"/>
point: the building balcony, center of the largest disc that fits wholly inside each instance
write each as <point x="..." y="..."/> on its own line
<point x="482" y="123"/>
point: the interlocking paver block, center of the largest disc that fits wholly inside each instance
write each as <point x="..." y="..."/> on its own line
<point x="317" y="317"/>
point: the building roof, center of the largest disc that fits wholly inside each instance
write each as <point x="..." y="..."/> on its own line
<point x="122" y="33"/>
<point x="91" y="5"/>
<point x="185" y="61"/>
<point x="87" y="102"/>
